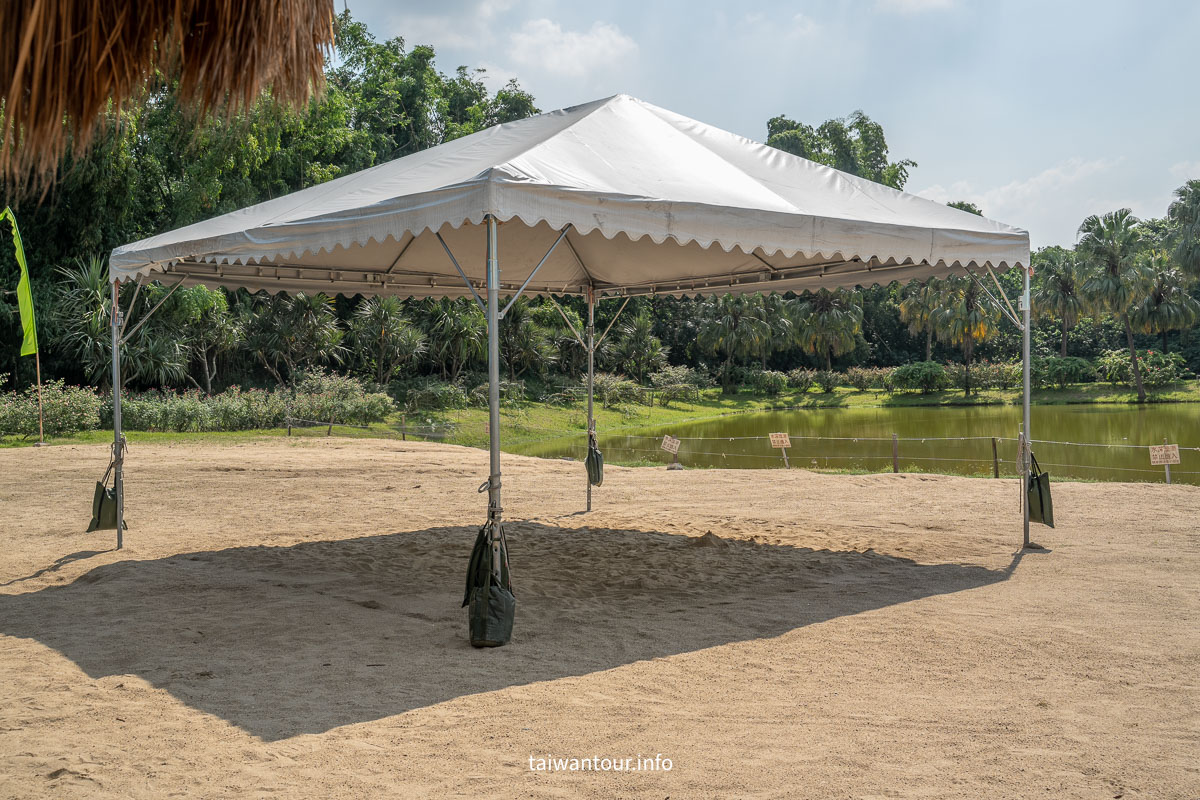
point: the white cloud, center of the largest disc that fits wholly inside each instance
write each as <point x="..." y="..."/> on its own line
<point x="542" y="43"/>
<point x="914" y="6"/>
<point x="1185" y="170"/>
<point x="1051" y="204"/>
<point x="803" y="26"/>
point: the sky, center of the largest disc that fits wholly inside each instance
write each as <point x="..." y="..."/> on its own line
<point x="1040" y="113"/>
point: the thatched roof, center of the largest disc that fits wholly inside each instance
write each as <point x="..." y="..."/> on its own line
<point x="62" y="61"/>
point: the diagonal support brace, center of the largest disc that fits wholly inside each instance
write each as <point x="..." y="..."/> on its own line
<point x="125" y="339"/>
<point x="466" y="280"/>
<point x="561" y="234"/>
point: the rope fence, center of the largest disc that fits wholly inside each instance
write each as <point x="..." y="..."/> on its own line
<point x="806" y="450"/>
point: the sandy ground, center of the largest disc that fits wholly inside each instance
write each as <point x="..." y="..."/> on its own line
<point x="284" y="621"/>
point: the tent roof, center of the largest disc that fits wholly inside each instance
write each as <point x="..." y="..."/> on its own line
<point x="656" y="202"/>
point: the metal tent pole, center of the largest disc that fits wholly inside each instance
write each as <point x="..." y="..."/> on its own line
<point x="493" y="322"/>
<point x="591" y="380"/>
<point x="1025" y="404"/>
<point x="118" y="438"/>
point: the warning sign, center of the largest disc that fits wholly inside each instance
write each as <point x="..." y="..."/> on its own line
<point x="670" y="444"/>
<point x="780" y="440"/>
<point x="1164" y="454"/>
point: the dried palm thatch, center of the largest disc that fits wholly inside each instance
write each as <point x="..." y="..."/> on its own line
<point x="63" y="61"/>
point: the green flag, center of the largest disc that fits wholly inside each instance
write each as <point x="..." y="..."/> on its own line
<point x="24" y="297"/>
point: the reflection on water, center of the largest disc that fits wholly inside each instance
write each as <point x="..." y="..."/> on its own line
<point x="954" y="440"/>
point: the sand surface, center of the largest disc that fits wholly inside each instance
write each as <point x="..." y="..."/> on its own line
<point x="284" y="621"/>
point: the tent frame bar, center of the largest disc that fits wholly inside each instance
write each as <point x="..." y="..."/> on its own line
<point x="132" y="303"/>
<point x="546" y="257"/>
<point x="600" y="341"/>
<point x="1024" y="445"/>
<point x="1011" y="317"/>
<point x="567" y="320"/>
<point x="146" y="318"/>
<point x="454" y="261"/>
<point x="1000" y="289"/>
<point x="118" y="447"/>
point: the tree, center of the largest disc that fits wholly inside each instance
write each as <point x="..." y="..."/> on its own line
<point x="829" y="323"/>
<point x="1184" y="212"/>
<point x="524" y="344"/>
<point x="730" y="329"/>
<point x="154" y="355"/>
<point x="855" y="145"/>
<point x="1056" y="291"/>
<point x="288" y="333"/>
<point x="1116" y="280"/>
<point x="963" y="319"/>
<point x="638" y="352"/>
<point x="966" y="205"/>
<point x="201" y="321"/>
<point x="384" y="339"/>
<point x="919" y="303"/>
<point x="457" y="332"/>
<point x="1167" y="306"/>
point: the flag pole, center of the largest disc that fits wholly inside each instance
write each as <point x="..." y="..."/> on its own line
<point x="37" y="360"/>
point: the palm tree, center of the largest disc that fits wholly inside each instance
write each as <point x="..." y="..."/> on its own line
<point x="730" y="328"/>
<point x="1167" y="305"/>
<point x="638" y="351"/>
<point x="778" y="329"/>
<point x="1056" y="292"/>
<point x="153" y="356"/>
<point x="918" y="304"/>
<point x="384" y="337"/>
<point x="83" y="318"/>
<point x="1116" y="281"/>
<point x="524" y="343"/>
<point x="830" y="323"/>
<point x="457" y="333"/>
<point x="963" y="319"/>
<point x="1184" y="212"/>
<point x="290" y="333"/>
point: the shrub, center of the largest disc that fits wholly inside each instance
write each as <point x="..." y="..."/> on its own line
<point x="677" y="392"/>
<point x="65" y="410"/>
<point x="614" y="390"/>
<point x="1007" y="374"/>
<point x="859" y="378"/>
<point x="316" y="397"/>
<point x="925" y="376"/>
<point x="430" y="394"/>
<point x="801" y="379"/>
<point x="1158" y="369"/>
<point x="679" y="375"/>
<point x="512" y="393"/>
<point x="827" y="379"/>
<point x="768" y="382"/>
<point x="1059" y="372"/>
<point x="322" y="396"/>
<point x="863" y="378"/>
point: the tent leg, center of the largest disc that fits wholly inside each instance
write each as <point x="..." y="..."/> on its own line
<point x="493" y="320"/>
<point x="591" y="381"/>
<point x="118" y="437"/>
<point x="1025" y="450"/>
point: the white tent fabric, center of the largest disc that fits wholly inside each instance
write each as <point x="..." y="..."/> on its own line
<point x="655" y="203"/>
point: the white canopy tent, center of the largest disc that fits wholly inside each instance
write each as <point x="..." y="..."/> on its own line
<point x="612" y="198"/>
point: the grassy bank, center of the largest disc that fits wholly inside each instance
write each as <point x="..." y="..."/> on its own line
<point x="533" y="421"/>
<point x="527" y="422"/>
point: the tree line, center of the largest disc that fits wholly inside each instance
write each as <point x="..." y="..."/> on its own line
<point x="1128" y="284"/>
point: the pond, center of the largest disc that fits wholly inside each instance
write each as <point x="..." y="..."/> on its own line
<point x="1094" y="442"/>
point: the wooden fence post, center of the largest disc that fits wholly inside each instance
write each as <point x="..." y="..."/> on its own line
<point x="1167" y="469"/>
<point x="895" y="454"/>
<point x="995" y="460"/>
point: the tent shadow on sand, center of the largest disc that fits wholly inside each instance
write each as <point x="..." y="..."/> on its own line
<point x="283" y="641"/>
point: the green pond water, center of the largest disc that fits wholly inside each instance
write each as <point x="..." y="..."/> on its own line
<point x="955" y="440"/>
